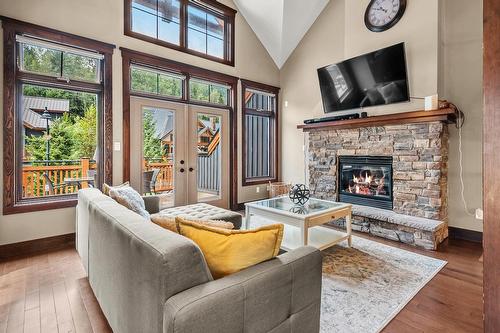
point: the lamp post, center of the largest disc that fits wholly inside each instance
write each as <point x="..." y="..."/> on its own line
<point x="46" y="115"/>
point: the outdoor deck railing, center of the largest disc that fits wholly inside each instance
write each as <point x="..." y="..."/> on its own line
<point x="165" y="179"/>
<point x="35" y="185"/>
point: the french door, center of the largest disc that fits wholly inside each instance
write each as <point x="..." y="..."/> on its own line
<point x="179" y="152"/>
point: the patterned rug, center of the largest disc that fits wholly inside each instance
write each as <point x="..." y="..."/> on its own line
<point x="365" y="286"/>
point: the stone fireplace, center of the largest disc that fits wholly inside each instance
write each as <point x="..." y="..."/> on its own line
<point x="395" y="175"/>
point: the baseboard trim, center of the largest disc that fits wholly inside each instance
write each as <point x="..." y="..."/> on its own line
<point x="464" y="234"/>
<point x="21" y="249"/>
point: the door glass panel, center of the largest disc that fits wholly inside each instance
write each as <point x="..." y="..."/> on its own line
<point x="158" y="153"/>
<point x="209" y="164"/>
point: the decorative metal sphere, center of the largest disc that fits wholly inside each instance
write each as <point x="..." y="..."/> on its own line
<point x="298" y="210"/>
<point x="299" y="194"/>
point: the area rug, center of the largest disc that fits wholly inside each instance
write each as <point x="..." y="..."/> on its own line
<point x="365" y="286"/>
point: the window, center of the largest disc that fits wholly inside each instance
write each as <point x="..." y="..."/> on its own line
<point x="201" y="27"/>
<point x="169" y="84"/>
<point x="65" y="63"/>
<point x="59" y="100"/>
<point x="155" y="82"/>
<point x="208" y="92"/>
<point x="260" y="129"/>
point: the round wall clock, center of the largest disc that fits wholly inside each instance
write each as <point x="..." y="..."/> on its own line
<point x="381" y="15"/>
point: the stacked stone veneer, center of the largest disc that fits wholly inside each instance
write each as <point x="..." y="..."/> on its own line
<point x="420" y="157"/>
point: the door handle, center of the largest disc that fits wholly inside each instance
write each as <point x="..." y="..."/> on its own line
<point x="181" y="161"/>
<point x="191" y="169"/>
<point x="181" y="170"/>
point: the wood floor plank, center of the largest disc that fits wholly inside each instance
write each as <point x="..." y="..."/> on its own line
<point x="32" y="321"/>
<point x="63" y="311"/>
<point x="78" y="310"/>
<point x="96" y="317"/>
<point x="48" y="319"/>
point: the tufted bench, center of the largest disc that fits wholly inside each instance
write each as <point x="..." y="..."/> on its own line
<point x="203" y="211"/>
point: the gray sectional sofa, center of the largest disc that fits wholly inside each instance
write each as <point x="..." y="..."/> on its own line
<point x="148" y="279"/>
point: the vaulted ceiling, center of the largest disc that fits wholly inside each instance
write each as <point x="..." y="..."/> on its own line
<point x="280" y="24"/>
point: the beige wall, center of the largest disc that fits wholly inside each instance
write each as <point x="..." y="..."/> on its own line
<point x="461" y="82"/>
<point x="340" y="33"/>
<point x="323" y="44"/>
<point x="103" y="20"/>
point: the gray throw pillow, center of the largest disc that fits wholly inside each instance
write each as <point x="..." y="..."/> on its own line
<point x="131" y="199"/>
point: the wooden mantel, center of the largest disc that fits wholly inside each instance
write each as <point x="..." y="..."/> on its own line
<point x="447" y="115"/>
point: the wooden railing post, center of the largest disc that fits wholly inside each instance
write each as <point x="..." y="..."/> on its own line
<point x="85" y="161"/>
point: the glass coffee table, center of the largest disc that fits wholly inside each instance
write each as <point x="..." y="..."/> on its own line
<point x="303" y="224"/>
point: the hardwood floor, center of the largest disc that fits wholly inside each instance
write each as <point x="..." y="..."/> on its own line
<point x="50" y="293"/>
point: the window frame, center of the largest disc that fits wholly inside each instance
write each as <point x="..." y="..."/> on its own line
<point x="213" y="7"/>
<point x="14" y="78"/>
<point x="274" y="132"/>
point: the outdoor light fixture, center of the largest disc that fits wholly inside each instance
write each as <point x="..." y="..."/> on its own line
<point x="46" y="115"/>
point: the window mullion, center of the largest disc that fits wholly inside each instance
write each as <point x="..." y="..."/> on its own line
<point x="157" y="19"/>
<point x="157" y="84"/>
<point x="62" y="65"/>
<point x="183" y="24"/>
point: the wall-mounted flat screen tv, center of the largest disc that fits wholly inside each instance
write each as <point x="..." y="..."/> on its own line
<point x="375" y="78"/>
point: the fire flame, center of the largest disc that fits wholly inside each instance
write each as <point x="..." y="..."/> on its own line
<point x="367" y="185"/>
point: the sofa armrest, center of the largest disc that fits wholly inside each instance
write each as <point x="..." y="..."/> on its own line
<point x="152" y="203"/>
<point x="283" y="293"/>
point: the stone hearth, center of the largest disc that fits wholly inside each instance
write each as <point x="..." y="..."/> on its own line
<point x="420" y="157"/>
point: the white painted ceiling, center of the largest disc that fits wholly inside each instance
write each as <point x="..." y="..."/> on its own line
<point x="280" y="24"/>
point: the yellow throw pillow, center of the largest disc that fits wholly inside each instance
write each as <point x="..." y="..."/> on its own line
<point x="168" y="222"/>
<point x="230" y="251"/>
<point x="106" y="188"/>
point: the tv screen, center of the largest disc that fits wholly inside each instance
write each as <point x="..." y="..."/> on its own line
<point x="371" y="79"/>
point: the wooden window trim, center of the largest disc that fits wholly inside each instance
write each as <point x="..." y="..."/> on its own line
<point x="131" y="57"/>
<point x="12" y="201"/>
<point x="217" y="8"/>
<point x="491" y="161"/>
<point x="275" y="139"/>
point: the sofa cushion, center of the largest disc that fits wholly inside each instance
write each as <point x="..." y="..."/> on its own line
<point x="106" y="188"/>
<point x="130" y="198"/>
<point x="168" y="222"/>
<point x="229" y="251"/>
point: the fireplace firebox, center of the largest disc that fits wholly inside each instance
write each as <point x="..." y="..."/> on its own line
<point x="365" y="180"/>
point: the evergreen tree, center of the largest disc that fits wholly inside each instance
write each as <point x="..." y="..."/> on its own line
<point x="60" y="139"/>
<point x="84" y="132"/>
<point x="151" y="143"/>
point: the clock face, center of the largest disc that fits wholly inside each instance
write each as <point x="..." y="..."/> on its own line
<point x="383" y="14"/>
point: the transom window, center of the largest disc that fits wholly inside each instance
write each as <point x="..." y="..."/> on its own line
<point x="163" y="84"/>
<point x="65" y="63"/>
<point x="208" y="92"/>
<point x="156" y="82"/>
<point x="259" y="133"/>
<point x="201" y="27"/>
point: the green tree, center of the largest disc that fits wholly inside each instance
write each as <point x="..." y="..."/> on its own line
<point x="84" y="133"/>
<point x="60" y="139"/>
<point x="41" y="60"/>
<point x="151" y="143"/>
<point x="155" y="83"/>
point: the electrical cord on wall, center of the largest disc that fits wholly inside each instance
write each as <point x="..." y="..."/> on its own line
<point x="459" y="125"/>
